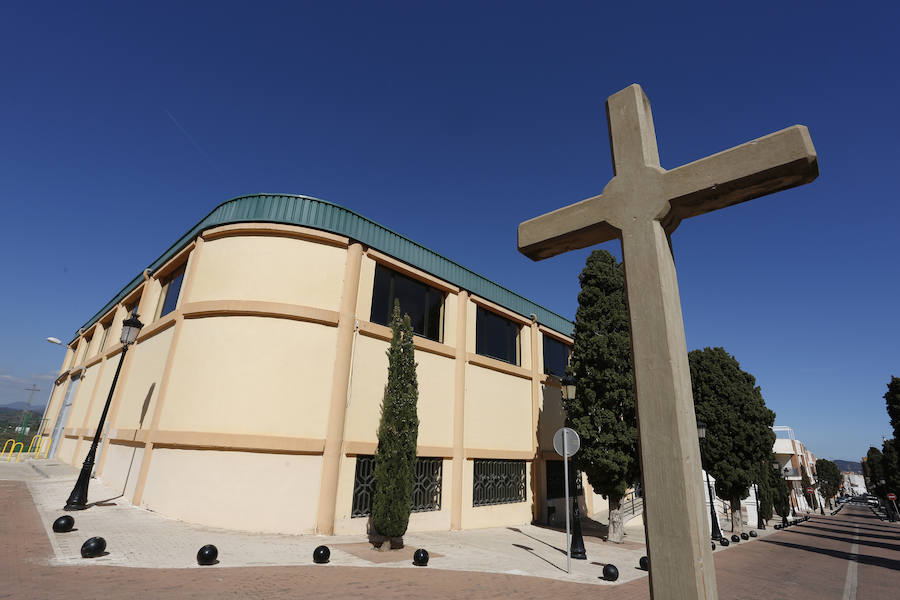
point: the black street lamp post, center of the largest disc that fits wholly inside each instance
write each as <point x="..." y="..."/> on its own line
<point x="576" y="550"/>
<point x="78" y="498"/>
<point x="760" y="524"/>
<point x="716" y="533"/>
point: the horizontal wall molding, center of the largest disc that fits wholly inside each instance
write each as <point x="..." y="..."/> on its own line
<point x="148" y="331"/>
<point x="368" y="448"/>
<point x="374" y="330"/>
<point x="275" y="230"/>
<point x="236" y="442"/>
<point x="257" y="308"/>
<point x="498" y="365"/>
<point x="473" y="453"/>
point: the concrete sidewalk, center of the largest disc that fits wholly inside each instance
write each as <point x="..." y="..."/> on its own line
<point x="139" y="538"/>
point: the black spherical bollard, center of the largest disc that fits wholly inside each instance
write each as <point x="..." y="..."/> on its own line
<point x="735" y="538"/>
<point x="644" y="563"/>
<point x="420" y="557"/>
<point x="321" y="555"/>
<point x="207" y="555"/>
<point x="63" y="524"/>
<point x="93" y="547"/>
<point x="753" y="533"/>
<point x="745" y="535"/>
<point x="610" y="572"/>
<point x="713" y="546"/>
<point x="724" y="543"/>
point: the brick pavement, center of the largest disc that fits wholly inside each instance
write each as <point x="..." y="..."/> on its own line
<point x="806" y="562"/>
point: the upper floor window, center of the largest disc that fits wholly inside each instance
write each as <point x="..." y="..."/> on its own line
<point x="496" y="336"/>
<point x="423" y="304"/>
<point x="105" y="335"/>
<point x="168" y="298"/>
<point x="556" y="356"/>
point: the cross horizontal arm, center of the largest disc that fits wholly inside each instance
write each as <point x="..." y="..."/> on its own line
<point x="568" y="228"/>
<point x="772" y="163"/>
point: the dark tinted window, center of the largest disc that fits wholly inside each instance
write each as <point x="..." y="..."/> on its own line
<point x="556" y="480"/>
<point x="496" y="336"/>
<point x="171" y="291"/>
<point x="556" y="356"/>
<point x="422" y="303"/>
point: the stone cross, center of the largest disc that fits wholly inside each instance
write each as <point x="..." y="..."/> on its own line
<point x="642" y="204"/>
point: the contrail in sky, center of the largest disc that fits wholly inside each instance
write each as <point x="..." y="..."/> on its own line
<point x="194" y="143"/>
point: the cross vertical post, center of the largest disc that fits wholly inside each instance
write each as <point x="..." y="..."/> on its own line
<point x="642" y="205"/>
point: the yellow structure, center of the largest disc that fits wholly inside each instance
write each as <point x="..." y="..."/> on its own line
<point x="251" y="399"/>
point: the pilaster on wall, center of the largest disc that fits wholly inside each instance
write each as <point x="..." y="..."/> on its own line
<point x="459" y="404"/>
<point x="536" y="474"/>
<point x="334" y="439"/>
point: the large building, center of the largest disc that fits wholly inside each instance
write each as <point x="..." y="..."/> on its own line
<point x="793" y="458"/>
<point x="251" y="398"/>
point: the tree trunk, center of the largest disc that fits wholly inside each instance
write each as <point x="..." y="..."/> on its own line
<point x="737" y="524"/>
<point x="616" y="531"/>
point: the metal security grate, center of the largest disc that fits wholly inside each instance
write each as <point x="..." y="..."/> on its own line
<point x="498" y="482"/>
<point x="426" y="487"/>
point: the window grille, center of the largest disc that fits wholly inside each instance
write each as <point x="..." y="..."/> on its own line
<point x="426" y="486"/>
<point x="498" y="482"/>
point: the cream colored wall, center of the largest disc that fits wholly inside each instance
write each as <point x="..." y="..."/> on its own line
<point x="498" y="410"/>
<point x="104" y="382"/>
<point x="551" y="416"/>
<point x="498" y="515"/>
<point x="249" y="491"/>
<point x="251" y="375"/>
<point x="122" y="466"/>
<point x="53" y="406"/>
<point x="432" y="520"/>
<point x="274" y="269"/>
<point x="140" y="390"/>
<point x="66" y="449"/>
<point x="83" y="397"/>
<point x="369" y="376"/>
<point x="451" y="302"/>
<point x="525" y="347"/>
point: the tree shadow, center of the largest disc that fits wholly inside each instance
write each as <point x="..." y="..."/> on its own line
<point x="865" y="559"/>
<point x="849" y="540"/>
<point x="849" y="531"/>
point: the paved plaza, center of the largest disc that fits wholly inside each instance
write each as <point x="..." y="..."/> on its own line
<point x="151" y="556"/>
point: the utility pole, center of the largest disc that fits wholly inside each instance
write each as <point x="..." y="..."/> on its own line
<point x="32" y="389"/>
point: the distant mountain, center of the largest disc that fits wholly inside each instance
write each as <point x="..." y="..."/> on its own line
<point x="849" y="465"/>
<point x="22" y="406"/>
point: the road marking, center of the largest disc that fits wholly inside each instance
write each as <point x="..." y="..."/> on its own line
<point x="851" y="580"/>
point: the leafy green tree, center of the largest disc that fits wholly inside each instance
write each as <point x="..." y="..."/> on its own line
<point x="830" y="478"/>
<point x="398" y="432"/>
<point x="891" y="468"/>
<point x="781" y="500"/>
<point x="806" y="484"/>
<point x="892" y="399"/>
<point x="875" y="471"/>
<point x="603" y="413"/>
<point x="764" y="487"/>
<point x="738" y="434"/>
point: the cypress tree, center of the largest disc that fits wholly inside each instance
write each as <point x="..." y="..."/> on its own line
<point x="738" y="434"/>
<point x="603" y="412"/>
<point x="398" y="433"/>
<point x="781" y="500"/>
<point x="806" y="483"/>
<point x="892" y="399"/>
<point x="830" y="478"/>
<point x="766" y="493"/>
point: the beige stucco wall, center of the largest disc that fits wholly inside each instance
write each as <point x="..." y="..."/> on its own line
<point x="366" y="285"/>
<point x="54" y="404"/>
<point x="551" y="416"/>
<point x="498" y="515"/>
<point x="123" y="463"/>
<point x="369" y="376"/>
<point x="498" y="410"/>
<point x="83" y="397"/>
<point x="251" y="375"/>
<point x="66" y="450"/>
<point x="104" y="382"/>
<point x="140" y="390"/>
<point x="274" y="269"/>
<point x="250" y="491"/>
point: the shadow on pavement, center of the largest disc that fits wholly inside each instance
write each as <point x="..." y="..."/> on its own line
<point x="865" y="559"/>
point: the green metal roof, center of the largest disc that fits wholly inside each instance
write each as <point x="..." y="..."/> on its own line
<point x="319" y="214"/>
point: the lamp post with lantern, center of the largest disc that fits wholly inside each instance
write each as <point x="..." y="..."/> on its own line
<point x="78" y="498"/>
<point x="576" y="550"/>
<point x="715" y="533"/>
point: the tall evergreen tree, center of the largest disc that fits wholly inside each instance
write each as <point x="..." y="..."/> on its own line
<point x="830" y="478"/>
<point x="603" y="413"/>
<point x="892" y="399"/>
<point x="766" y="493"/>
<point x="891" y="468"/>
<point x="398" y="433"/>
<point x="738" y="434"/>
<point x="875" y="471"/>
<point x="781" y="499"/>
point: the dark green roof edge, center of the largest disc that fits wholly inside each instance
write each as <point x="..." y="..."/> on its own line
<point x="319" y="214"/>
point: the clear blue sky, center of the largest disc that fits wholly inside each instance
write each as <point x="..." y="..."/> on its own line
<point x="121" y="127"/>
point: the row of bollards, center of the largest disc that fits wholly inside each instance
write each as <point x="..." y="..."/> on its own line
<point x="209" y="554"/>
